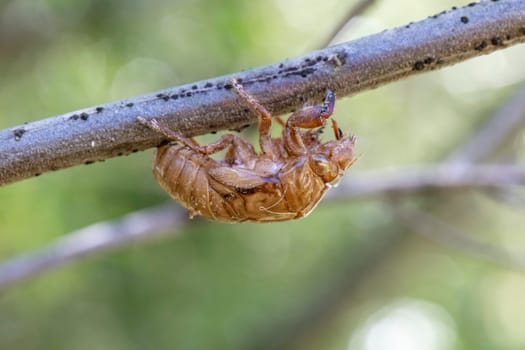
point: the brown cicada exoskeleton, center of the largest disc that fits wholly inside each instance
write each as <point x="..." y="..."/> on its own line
<point x="284" y="182"/>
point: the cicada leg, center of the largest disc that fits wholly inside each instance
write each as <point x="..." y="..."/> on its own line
<point x="240" y="152"/>
<point x="308" y="117"/>
<point x="265" y="120"/>
<point x="223" y="142"/>
<point x="338" y="133"/>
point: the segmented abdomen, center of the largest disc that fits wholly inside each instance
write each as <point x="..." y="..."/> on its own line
<point x="184" y="175"/>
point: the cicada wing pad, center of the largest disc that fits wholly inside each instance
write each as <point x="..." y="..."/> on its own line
<point x="239" y="178"/>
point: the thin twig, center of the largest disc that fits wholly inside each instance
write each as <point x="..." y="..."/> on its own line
<point x="507" y="196"/>
<point x="146" y="224"/>
<point x="440" y="231"/>
<point x="355" y="10"/>
<point x="110" y="130"/>
<point x="504" y="125"/>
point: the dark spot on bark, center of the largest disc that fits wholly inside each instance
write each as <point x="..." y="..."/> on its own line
<point x="325" y="59"/>
<point x="219" y="86"/>
<point x="281" y="65"/>
<point x="38" y="174"/>
<point x="130" y="104"/>
<point x="241" y="128"/>
<point x="496" y="41"/>
<point x="429" y="60"/>
<point x="464" y="19"/>
<point x="163" y="96"/>
<point x="99" y="109"/>
<point x="309" y="62"/>
<point x="194" y="87"/>
<point x="182" y="91"/>
<point x="274" y="76"/>
<point x="174" y="97"/>
<point x="440" y="61"/>
<point x="508" y="37"/>
<point x="303" y="73"/>
<point x="482" y="45"/>
<point x="454" y="8"/>
<point x="84" y="116"/>
<point x="523" y="31"/>
<point x="18" y="133"/>
<point x="246" y="110"/>
<point x="419" y="65"/>
<point x="134" y="150"/>
<point x="208" y="85"/>
<point x="213" y="132"/>
<point x="87" y="162"/>
<point x="228" y="86"/>
<point x="74" y="117"/>
<point x="472" y="4"/>
<point x="188" y="94"/>
<point x="120" y="154"/>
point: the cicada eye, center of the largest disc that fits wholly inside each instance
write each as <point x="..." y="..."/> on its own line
<point x="323" y="167"/>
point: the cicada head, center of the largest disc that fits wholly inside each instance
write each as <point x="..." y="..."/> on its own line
<point x="332" y="158"/>
<point x="343" y="152"/>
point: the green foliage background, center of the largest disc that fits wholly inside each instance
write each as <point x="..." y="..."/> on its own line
<point x="242" y="286"/>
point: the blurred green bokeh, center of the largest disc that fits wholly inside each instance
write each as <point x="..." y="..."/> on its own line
<point x="375" y="284"/>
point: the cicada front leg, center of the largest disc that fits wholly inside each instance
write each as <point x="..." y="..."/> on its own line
<point x="308" y="117"/>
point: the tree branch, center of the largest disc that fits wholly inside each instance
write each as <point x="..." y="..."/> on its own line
<point x="110" y="130"/>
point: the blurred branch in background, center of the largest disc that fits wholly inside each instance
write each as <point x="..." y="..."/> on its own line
<point x="146" y="224"/>
<point x="110" y="130"/>
<point x="449" y="235"/>
<point x="506" y="124"/>
<point x="442" y="177"/>
<point x="138" y="227"/>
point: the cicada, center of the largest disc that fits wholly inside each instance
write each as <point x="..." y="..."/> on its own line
<point x="285" y="180"/>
